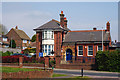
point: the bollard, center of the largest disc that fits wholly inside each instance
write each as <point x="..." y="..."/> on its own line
<point x="82" y="72"/>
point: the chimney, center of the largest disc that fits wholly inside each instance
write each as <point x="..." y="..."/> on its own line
<point x="115" y="41"/>
<point x="108" y="26"/>
<point x="62" y="19"/>
<point x="16" y="27"/>
<point x="65" y="22"/>
<point x="94" y="28"/>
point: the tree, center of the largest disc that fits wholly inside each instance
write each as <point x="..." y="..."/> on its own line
<point x="33" y="38"/>
<point x="12" y="43"/>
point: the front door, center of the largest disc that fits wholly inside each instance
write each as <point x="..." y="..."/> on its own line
<point x="68" y="54"/>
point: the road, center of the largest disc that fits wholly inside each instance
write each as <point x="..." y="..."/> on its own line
<point x="88" y="73"/>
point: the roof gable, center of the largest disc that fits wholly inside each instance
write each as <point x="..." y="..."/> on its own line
<point x="21" y="34"/>
<point x="53" y="24"/>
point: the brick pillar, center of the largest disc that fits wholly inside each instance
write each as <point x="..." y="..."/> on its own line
<point x="57" y="59"/>
<point x="20" y="61"/>
<point x="37" y="45"/>
<point x="46" y="61"/>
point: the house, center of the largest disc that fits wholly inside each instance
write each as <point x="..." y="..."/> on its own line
<point x="114" y="46"/>
<point x="33" y="44"/>
<point x="55" y="36"/>
<point x="4" y="43"/>
<point x="21" y="39"/>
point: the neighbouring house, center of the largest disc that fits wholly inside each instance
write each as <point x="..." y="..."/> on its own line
<point x="114" y="46"/>
<point x="55" y="36"/>
<point x="21" y="39"/>
<point x="4" y="43"/>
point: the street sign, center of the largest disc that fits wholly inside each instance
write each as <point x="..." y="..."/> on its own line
<point x="40" y="54"/>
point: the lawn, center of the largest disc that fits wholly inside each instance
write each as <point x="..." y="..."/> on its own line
<point x="14" y="69"/>
<point x="58" y="75"/>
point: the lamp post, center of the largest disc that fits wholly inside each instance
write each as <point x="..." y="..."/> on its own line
<point x="102" y="38"/>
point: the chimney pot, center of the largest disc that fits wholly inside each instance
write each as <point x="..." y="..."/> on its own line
<point x="115" y="41"/>
<point x="94" y="28"/>
<point x="61" y="12"/>
<point x="16" y="27"/>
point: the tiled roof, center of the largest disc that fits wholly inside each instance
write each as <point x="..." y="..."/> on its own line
<point x="74" y="36"/>
<point x="22" y="34"/>
<point x="53" y="24"/>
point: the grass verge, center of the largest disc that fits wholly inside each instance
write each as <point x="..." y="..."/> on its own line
<point x="58" y="75"/>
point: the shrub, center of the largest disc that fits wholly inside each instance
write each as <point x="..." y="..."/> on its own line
<point x="7" y="53"/>
<point x="108" y="61"/>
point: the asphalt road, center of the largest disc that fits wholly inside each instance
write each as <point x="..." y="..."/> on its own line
<point x="88" y="73"/>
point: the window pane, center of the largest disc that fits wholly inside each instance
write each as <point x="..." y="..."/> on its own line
<point x="99" y="47"/>
<point x="90" y="52"/>
<point x="80" y="47"/>
<point x="90" y="47"/>
<point x="80" y="52"/>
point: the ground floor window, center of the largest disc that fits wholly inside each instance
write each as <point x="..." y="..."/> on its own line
<point x="80" y="50"/>
<point x="99" y="47"/>
<point x="90" y="50"/>
<point x="48" y="49"/>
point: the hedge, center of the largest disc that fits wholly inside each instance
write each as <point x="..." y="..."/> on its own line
<point x="108" y="61"/>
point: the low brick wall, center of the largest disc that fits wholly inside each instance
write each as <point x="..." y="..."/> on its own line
<point x="24" y="64"/>
<point x="86" y="66"/>
<point x="29" y="74"/>
<point x="10" y="64"/>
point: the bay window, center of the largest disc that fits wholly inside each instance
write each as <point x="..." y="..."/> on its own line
<point x="48" y="34"/>
<point x="48" y="49"/>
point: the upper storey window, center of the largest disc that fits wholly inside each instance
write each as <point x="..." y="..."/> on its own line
<point x="47" y="35"/>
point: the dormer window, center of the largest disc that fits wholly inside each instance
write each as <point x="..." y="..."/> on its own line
<point x="48" y="34"/>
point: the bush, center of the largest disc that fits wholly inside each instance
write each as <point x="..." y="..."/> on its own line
<point x="108" y="61"/>
<point x="7" y="53"/>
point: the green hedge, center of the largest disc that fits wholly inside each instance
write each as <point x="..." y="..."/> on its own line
<point x="108" y="61"/>
<point x="7" y="53"/>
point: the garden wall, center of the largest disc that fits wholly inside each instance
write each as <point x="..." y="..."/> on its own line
<point x="29" y="74"/>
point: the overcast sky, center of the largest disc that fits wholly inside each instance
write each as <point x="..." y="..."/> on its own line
<point x="80" y="15"/>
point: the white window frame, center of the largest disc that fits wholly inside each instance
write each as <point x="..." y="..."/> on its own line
<point x="98" y="48"/>
<point x="24" y="41"/>
<point x="4" y="39"/>
<point x="80" y="50"/>
<point x="89" y="50"/>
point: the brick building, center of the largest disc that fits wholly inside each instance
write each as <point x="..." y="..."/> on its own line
<point x="21" y="39"/>
<point x="54" y="36"/>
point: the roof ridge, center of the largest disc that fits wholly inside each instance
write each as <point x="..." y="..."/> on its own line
<point x="86" y="31"/>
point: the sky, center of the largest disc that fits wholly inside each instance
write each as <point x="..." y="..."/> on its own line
<point x="81" y="15"/>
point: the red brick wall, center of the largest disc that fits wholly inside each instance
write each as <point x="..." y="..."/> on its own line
<point x="57" y="42"/>
<point x="38" y="43"/>
<point x="29" y="74"/>
<point x="24" y="64"/>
